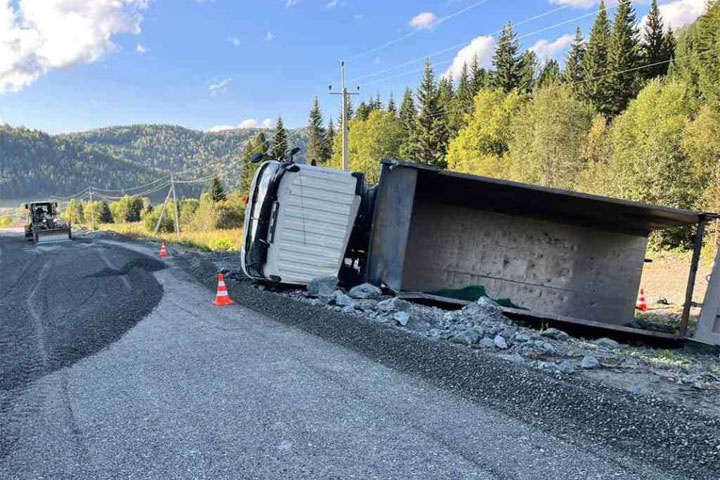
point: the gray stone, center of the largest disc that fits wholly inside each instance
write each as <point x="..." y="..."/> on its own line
<point x="402" y="318"/>
<point x="540" y="347"/>
<point x="566" y="368"/>
<point x="322" y="286"/>
<point x="487" y="342"/>
<point x="394" y="305"/>
<point x="483" y="307"/>
<point x="342" y="300"/>
<point x="608" y="343"/>
<point x="365" y="291"/>
<point x="522" y="338"/>
<point x="555" y="333"/>
<point x="468" y="337"/>
<point x="589" y="362"/>
<point x="348" y="309"/>
<point x="500" y="342"/>
<point x="515" y="358"/>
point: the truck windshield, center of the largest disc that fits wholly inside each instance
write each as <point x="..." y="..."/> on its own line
<point x="259" y="219"/>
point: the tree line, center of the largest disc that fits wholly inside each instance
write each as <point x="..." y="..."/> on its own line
<point x="634" y="113"/>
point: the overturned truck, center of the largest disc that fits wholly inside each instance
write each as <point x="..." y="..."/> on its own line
<point x="423" y="232"/>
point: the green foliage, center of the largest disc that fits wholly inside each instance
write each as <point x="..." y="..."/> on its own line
<point x="5" y="221"/>
<point x="408" y="120"/>
<point x="74" y="213"/>
<point x="623" y="57"/>
<point x="222" y="244"/>
<point x="528" y="72"/>
<point x="658" y="46"/>
<point x="167" y="225"/>
<point x="280" y="142"/>
<point x="371" y="140"/>
<point x="127" y="209"/>
<point x="507" y="61"/>
<point x="188" y="207"/>
<point x="430" y="136"/>
<point x="574" y="69"/>
<point x="317" y="150"/>
<point x="550" y="74"/>
<point x="702" y="143"/>
<point x="106" y="215"/>
<point x="480" y="146"/>
<point x="252" y="147"/>
<point x="597" y="85"/>
<point x="548" y="138"/>
<point x="216" y="190"/>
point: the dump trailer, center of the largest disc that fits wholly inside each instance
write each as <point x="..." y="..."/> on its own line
<point x="44" y="224"/>
<point x="540" y="251"/>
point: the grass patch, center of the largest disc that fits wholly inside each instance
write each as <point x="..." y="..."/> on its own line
<point x="216" y="240"/>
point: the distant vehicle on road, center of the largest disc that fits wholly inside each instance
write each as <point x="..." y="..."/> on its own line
<point x="44" y="225"/>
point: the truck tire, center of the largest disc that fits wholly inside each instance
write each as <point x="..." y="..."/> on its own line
<point x="35" y="238"/>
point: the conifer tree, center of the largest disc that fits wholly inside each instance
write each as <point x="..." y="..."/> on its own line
<point x="464" y="100"/>
<point x="105" y="213"/>
<point x="527" y="72"/>
<point x="574" y="62"/>
<point x="363" y="111"/>
<point x="216" y="190"/>
<point x="477" y="76"/>
<point x="316" y="149"/>
<point x="252" y="147"/>
<point x="430" y="137"/>
<point x="597" y="87"/>
<point x="507" y="61"/>
<point x="330" y="138"/>
<point x="392" y="108"/>
<point x="623" y="56"/>
<point x="550" y="74"/>
<point x="280" y="142"/>
<point x="446" y="97"/>
<point x="657" y="46"/>
<point x="408" y="120"/>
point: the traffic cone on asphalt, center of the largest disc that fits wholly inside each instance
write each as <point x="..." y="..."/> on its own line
<point x="222" y="298"/>
<point x="642" y="303"/>
<point x="163" y="250"/>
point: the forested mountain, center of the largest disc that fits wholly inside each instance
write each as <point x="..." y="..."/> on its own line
<point x="34" y="164"/>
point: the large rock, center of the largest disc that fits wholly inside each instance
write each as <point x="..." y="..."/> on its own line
<point x="402" y="318"/>
<point x="555" y="333"/>
<point x="342" y="300"/>
<point x="394" y="305"/>
<point x="468" y="337"/>
<point x="483" y="307"/>
<point x="589" y="362"/>
<point x="322" y="286"/>
<point x="365" y="291"/>
<point x="500" y="342"/>
<point x="608" y="343"/>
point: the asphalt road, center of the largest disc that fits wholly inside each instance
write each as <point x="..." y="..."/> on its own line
<point x="113" y="365"/>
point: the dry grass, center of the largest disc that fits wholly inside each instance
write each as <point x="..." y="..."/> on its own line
<point x="216" y="240"/>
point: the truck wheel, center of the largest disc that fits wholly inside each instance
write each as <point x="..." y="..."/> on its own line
<point x="70" y="234"/>
<point x="35" y="238"/>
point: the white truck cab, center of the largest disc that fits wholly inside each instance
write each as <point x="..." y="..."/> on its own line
<point x="298" y="222"/>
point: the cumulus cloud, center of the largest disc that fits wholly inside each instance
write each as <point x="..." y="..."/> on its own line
<point x="247" y="123"/>
<point x="234" y="40"/>
<point x="680" y="12"/>
<point x="38" y="36"/>
<point x="269" y="36"/>
<point x="218" y="87"/>
<point x="481" y="47"/>
<point x="332" y="4"/>
<point x="141" y="49"/>
<point x="576" y="3"/>
<point x="545" y="49"/>
<point x="423" y="21"/>
<point x="291" y="3"/>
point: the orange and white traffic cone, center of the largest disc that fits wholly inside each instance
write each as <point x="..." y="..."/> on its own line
<point x="163" y="250"/>
<point x="222" y="298"/>
<point x="642" y="303"/>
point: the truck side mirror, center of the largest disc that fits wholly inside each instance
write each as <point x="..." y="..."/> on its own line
<point x="257" y="158"/>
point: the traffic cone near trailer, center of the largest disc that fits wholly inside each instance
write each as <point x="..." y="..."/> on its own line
<point x="222" y="298"/>
<point x="163" y="250"/>
<point x="642" y="303"/>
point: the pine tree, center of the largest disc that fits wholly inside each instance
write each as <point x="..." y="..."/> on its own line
<point x="464" y="100"/>
<point x="280" y="142"/>
<point x="392" y="108"/>
<point x="574" y="62"/>
<point x="527" y="72"/>
<point x="550" y="74"/>
<point x="597" y="87"/>
<point x="216" y="190"/>
<point x="656" y="48"/>
<point x="507" y="61"/>
<point x="430" y="138"/>
<point x="375" y="103"/>
<point x="623" y="56"/>
<point x="446" y="97"/>
<point x="105" y="213"/>
<point x="316" y="149"/>
<point x="477" y="76"/>
<point x="329" y="140"/>
<point x="252" y="147"/>
<point x="408" y="119"/>
<point x="363" y="111"/>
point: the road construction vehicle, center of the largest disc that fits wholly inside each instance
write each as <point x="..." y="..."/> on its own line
<point x="44" y="224"/>
<point x="555" y="253"/>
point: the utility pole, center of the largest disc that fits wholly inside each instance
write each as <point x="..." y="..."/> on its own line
<point x="177" y="217"/>
<point x="162" y="212"/>
<point x="92" y="210"/>
<point x="345" y="131"/>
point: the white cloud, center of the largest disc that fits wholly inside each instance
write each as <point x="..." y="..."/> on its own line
<point x="218" y="87"/>
<point x="235" y="41"/>
<point x="269" y="36"/>
<point x="358" y="16"/>
<point x="482" y="47"/>
<point x="247" y="123"/>
<point x="576" y="3"/>
<point x="545" y="49"/>
<point x="680" y="12"/>
<point x="423" y="21"/>
<point x="291" y="3"/>
<point x="141" y="49"/>
<point x="38" y="36"/>
<point x="332" y="4"/>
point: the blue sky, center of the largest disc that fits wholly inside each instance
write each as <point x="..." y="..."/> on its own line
<point x="72" y="65"/>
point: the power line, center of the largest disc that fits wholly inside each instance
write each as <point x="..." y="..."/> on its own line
<point x="412" y="34"/>
<point x="493" y="34"/>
